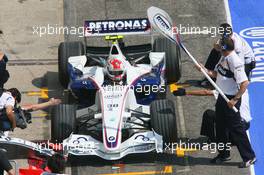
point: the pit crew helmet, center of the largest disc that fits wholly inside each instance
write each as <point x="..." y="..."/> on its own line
<point x="115" y="69"/>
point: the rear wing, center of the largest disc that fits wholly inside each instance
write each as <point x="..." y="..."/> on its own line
<point x="117" y="27"/>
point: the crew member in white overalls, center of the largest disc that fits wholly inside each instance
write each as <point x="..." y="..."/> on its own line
<point x="231" y="78"/>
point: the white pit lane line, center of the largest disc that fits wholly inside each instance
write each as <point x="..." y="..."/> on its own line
<point x="182" y="129"/>
<point x="185" y="15"/>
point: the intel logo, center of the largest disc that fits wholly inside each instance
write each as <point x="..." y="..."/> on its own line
<point x="253" y="32"/>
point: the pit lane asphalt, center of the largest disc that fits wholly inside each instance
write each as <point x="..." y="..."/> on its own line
<point x="203" y="13"/>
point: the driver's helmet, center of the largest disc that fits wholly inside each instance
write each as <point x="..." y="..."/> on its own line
<point x="115" y="69"/>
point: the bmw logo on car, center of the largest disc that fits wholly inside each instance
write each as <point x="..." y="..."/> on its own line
<point x="111" y="138"/>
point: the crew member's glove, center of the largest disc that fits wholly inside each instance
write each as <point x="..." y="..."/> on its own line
<point x="179" y="92"/>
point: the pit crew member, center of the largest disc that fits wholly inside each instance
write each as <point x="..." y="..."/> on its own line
<point x="242" y="49"/>
<point x="8" y="100"/>
<point x="231" y="78"/>
<point x="8" y="106"/>
<point x="5" y="164"/>
<point x="3" y="72"/>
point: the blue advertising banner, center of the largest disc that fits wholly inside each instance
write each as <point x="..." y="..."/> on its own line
<point x="248" y="20"/>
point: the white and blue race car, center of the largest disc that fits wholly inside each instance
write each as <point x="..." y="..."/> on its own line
<point x="113" y="120"/>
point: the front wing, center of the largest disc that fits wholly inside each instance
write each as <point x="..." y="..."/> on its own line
<point x="41" y="148"/>
<point x="144" y="142"/>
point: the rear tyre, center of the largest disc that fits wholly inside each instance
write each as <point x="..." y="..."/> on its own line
<point x="163" y="119"/>
<point x="173" y="58"/>
<point x="62" y="122"/>
<point x="66" y="50"/>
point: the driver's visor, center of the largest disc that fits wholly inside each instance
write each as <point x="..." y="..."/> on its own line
<point x="115" y="73"/>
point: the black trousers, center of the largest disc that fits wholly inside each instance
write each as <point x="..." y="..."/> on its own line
<point x="5" y="124"/>
<point x="208" y="125"/>
<point x="4" y="163"/>
<point x="230" y="123"/>
<point x="4" y="74"/>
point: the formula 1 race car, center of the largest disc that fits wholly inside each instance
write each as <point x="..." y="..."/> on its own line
<point x="116" y="96"/>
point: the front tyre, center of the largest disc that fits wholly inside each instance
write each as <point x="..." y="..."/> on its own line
<point x="62" y="122"/>
<point x="163" y="120"/>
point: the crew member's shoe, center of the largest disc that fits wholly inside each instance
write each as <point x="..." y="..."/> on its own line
<point x="220" y="159"/>
<point x="247" y="163"/>
<point x="179" y="92"/>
